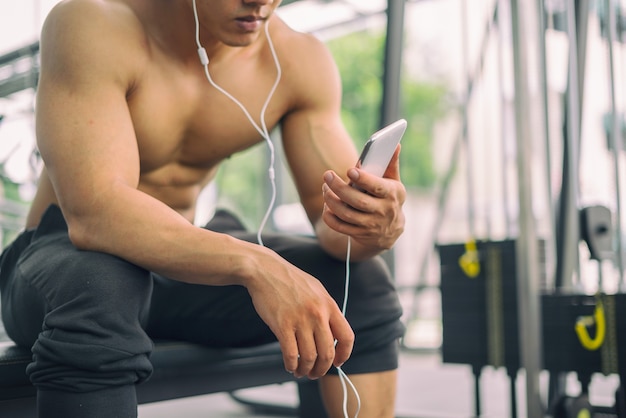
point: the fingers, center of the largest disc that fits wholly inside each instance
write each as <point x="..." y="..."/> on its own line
<point x="306" y="321"/>
<point x="289" y="348"/>
<point x="317" y="354"/>
<point x="363" y="191"/>
<point x="312" y="354"/>
<point x="350" y="205"/>
<point x="367" y="182"/>
<point x="344" y="337"/>
<point x="373" y="218"/>
<point x="308" y="354"/>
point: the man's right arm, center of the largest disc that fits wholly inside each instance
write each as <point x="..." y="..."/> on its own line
<point x="86" y="138"/>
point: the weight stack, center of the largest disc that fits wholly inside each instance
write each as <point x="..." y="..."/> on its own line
<point x="479" y="314"/>
<point x="564" y="351"/>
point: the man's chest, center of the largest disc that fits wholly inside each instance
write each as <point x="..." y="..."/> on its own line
<point x="186" y="120"/>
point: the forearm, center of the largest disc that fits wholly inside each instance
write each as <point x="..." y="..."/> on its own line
<point x="134" y="226"/>
<point x="336" y="244"/>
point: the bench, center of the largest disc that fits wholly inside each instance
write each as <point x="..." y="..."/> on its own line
<point x="180" y="370"/>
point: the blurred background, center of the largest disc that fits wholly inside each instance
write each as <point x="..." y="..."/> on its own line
<point x="515" y="115"/>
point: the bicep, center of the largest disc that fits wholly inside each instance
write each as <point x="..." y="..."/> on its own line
<point x="319" y="143"/>
<point x="85" y="136"/>
<point x="315" y="139"/>
<point x="84" y="129"/>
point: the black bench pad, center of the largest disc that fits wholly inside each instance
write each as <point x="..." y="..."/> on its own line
<point x="180" y="370"/>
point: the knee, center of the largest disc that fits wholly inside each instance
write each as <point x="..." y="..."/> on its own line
<point x="374" y="306"/>
<point x="99" y="295"/>
<point x="93" y="306"/>
<point x="93" y="283"/>
<point x="372" y="277"/>
<point x="105" y="276"/>
<point x="93" y="329"/>
<point x="376" y="266"/>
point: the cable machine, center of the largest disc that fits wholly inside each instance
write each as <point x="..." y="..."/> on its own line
<point x="503" y="305"/>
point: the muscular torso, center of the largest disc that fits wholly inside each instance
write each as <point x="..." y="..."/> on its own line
<point x="184" y="127"/>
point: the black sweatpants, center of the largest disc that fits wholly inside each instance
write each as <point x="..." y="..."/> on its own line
<point x="90" y="317"/>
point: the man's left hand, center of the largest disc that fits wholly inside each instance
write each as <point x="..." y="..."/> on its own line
<point x="370" y="213"/>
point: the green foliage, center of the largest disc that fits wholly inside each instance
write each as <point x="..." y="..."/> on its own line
<point x="359" y="58"/>
<point x="244" y="187"/>
<point x="423" y="106"/>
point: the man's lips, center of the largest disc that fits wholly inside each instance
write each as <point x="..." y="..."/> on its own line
<point x="250" y="23"/>
<point x="250" y="18"/>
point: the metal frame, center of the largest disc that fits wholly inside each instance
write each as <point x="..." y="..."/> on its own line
<point x="19" y="79"/>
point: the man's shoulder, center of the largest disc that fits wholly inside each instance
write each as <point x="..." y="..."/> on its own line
<point x="304" y="52"/>
<point x="105" y="19"/>
<point x="299" y="44"/>
<point x="92" y="9"/>
<point x="311" y="72"/>
<point x="81" y="34"/>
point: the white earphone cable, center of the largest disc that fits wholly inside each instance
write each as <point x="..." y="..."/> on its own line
<point x="343" y="378"/>
<point x="263" y="131"/>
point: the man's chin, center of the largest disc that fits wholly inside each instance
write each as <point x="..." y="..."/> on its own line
<point x="241" y="40"/>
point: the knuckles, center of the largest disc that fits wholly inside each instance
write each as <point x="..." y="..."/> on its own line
<point x="326" y="356"/>
<point x="308" y="358"/>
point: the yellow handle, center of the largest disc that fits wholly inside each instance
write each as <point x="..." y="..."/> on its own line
<point x="469" y="261"/>
<point x="585" y="321"/>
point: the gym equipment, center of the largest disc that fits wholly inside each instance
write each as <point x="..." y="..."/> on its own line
<point x="581" y="333"/>
<point x="479" y="311"/>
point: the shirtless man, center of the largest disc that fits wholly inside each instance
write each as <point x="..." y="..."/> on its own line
<point x="130" y="130"/>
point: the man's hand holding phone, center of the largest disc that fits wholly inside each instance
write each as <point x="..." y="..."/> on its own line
<point x="369" y="208"/>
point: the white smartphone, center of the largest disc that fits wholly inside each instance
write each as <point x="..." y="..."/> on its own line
<point x="379" y="149"/>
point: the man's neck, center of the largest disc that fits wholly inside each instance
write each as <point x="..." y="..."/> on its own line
<point x="170" y="24"/>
